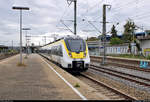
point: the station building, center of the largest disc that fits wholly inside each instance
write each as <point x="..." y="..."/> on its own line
<point x="96" y="47"/>
<point x="145" y="44"/>
<point x="3" y="48"/>
<point x="118" y="49"/>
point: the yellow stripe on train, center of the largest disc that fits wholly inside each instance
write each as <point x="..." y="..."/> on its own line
<point x="76" y="55"/>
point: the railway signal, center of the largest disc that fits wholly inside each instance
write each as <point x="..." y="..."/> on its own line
<point x="75" y="14"/>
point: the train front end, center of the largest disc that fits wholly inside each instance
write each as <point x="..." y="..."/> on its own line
<point x="78" y="59"/>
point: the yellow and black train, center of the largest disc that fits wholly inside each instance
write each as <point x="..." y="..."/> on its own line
<point x="70" y="52"/>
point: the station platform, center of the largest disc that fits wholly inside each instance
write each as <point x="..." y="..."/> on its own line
<point x="39" y="80"/>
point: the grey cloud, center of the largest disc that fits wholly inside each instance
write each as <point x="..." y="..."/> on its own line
<point x="44" y="15"/>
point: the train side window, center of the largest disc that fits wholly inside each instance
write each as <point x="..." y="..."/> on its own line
<point x="58" y="51"/>
<point x="54" y="50"/>
<point x="61" y="54"/>
<point x="49" y="52"/>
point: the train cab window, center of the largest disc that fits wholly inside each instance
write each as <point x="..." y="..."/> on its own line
<point x="75" y="45"/>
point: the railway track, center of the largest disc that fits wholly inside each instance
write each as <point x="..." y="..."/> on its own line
<point x="132" y="78"/>
<point x="103" y="88"/>
<point x="123" y="63"/>
<point x="3" y="56"/>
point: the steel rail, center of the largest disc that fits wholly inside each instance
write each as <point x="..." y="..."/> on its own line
<point x="126" y="96"/>
<point x="123" y="77"/>
<point x="123" y="65"/>
<point x="130" y="75"/>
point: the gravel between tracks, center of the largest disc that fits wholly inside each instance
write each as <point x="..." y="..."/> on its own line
<point x="124" y="75"/>
<point x="89" y="92"/>
<point x="128" y="83"/>
<point x="130" y="71"/>
<point x="133" y="91"/>
<point x="101" y="89"/>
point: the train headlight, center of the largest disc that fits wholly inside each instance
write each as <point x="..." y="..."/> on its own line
<point x="84" y="54"/>
<point x="70" y="54"/>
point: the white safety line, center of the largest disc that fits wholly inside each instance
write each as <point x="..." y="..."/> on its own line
<point x="74" y="89"/>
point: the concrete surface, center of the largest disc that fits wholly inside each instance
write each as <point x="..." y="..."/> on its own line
<point x="36" y="81"/>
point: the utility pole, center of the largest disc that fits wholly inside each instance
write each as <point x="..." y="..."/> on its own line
<point x="12" y="45"/>
<point x="75" y="17"/>
<point x="26" y="44"/>
<point x="75" y="14"/>
<point x="104" y="32"/>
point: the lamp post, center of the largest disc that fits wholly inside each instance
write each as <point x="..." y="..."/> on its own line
<point x="26" y="29"/>
<point x="20" y="8"/>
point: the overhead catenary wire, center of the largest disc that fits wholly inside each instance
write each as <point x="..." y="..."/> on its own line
<point x="137" y="15"/>
<point x="124" y="5"/>
<point x="64" y="13"/>
<point x="119" y="14"/>
<point x="87" y="11"/>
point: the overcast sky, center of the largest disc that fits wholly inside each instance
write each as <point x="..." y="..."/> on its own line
<point x="44" y="18"/>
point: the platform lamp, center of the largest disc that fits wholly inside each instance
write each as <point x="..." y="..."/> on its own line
<point x="20" y="8"/>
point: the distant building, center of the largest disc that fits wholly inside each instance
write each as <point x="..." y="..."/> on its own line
<point x="96" y="47"/>
<point x="93" y="47"/>
<point x="118" y="49"/>
<point x="3" y="48"/>
<point x="145" y="44"/>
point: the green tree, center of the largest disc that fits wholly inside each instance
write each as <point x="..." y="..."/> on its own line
<point x="113" y="32"/>
<point x="116" y="41"/>
<point x="129" y="29"/>
<point x="129" y="33"/>
<point x="92" y="39"/>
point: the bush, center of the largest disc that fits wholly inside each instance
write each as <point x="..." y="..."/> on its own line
<point x="116" y="41"/>
<point x="148" y="57"/>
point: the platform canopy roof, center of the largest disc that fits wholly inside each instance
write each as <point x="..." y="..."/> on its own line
<point x="2" y="46"/>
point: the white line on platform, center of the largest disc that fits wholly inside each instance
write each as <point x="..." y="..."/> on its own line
<point x="74" y="89"/>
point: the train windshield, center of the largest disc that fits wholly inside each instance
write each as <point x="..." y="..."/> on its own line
<point x="75" y="45"/>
